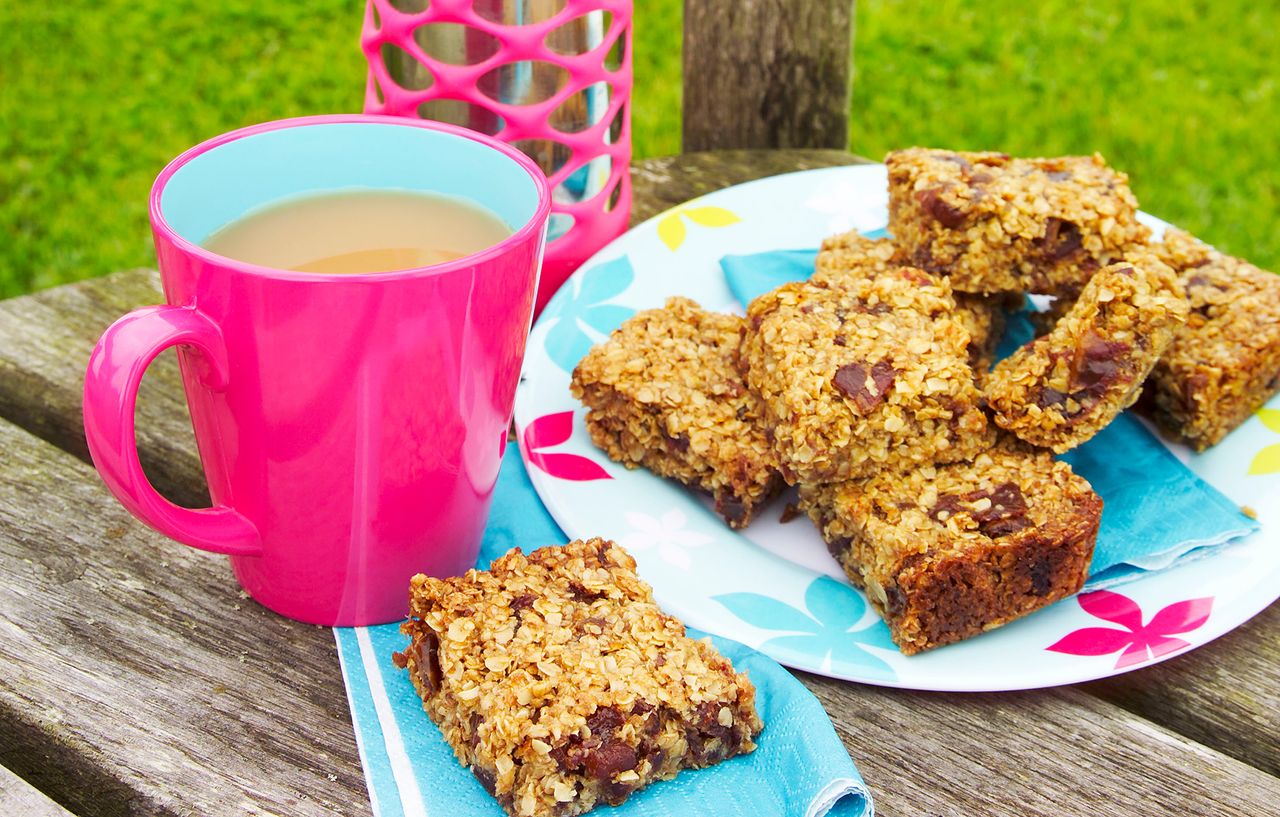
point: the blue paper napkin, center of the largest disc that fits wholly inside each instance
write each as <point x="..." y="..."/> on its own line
<point x="1156" y="511"/>
<point x="799" y="769"/>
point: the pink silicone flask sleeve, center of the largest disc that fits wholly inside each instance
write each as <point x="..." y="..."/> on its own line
<point x="111" y="385"/>
<point x="597" y="220"/>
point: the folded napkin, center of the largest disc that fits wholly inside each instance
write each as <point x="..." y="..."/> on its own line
<point x="799" y="767"/>
<point x="1156" y="511"/>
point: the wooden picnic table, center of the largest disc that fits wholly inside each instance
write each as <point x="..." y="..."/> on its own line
<point x="139" y="680"/>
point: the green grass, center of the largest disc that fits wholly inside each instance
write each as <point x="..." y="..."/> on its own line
<point x="94" y="101"/>
<point x="1181" y="95"/>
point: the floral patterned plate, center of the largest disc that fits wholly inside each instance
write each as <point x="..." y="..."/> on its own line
<point x="774" y="586"/>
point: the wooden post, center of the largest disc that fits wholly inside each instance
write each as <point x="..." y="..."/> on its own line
<point x="767" y="73"/>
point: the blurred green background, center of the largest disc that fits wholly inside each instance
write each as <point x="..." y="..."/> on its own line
<point x="95" y="98"/>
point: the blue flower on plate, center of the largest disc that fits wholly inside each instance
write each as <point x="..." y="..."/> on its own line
<point x="580" y="305"/>
<point x="825" y="628"/>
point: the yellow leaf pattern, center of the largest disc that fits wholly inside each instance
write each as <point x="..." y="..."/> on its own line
<point x="713" y="217"/>
<point x="1267" y="461"/>
<point x="671" y="228"/>
<point x="1270" y="418"/>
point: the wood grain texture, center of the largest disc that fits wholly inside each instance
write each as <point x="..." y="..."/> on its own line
<point x="45" y="341"/>
<point x="767" y="74"/>
<point x="84" y="588"/>
<point x="138" y="679"/>
<point x="18" y="798"/>
<point x="663" y="182"/>
<point x="140" y="682"/>
<point x="1045" y="753"/>
<point x="1226" y="694"/>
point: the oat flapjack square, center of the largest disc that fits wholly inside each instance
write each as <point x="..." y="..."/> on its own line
<point x="949" y="551"/>
<point x="869" y="374"/>
<point x="665" y="392"/>
<point x="1224" y="363"/>
<point x="557" y="679"/>
<point x="1064" y="387"/>
<point x="849" y="255"/>
<point x="993" y="223"/>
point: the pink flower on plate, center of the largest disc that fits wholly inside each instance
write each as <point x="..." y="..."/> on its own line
<point x="551" y="430"/>
<point x="1139" y="642"/>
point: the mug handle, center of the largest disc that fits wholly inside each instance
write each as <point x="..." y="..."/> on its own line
<point x="111" y="384"/>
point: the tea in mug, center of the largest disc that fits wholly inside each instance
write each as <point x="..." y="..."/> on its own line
<point x="359" y="231"/>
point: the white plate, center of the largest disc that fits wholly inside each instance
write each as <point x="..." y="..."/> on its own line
<point x="774" y="586"/>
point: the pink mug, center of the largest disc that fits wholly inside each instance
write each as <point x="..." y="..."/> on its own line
<point x="350" y="426"/>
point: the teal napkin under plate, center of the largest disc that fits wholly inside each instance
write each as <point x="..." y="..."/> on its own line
<point x="1156" y="511"/>
<point x="799" y="768"/>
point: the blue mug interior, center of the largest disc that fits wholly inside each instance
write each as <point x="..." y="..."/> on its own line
<point x="243" y="175"/>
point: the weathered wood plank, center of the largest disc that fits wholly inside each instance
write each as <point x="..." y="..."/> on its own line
<point x="17" y="797"/>
<point x="767" y="74"/>
<point x="1048" y="752"/>
<point x="40" y="387"/>
<point x="138" y="680"/>
<point x="45" y="341"/>
<point x="1225" y="695"/>
<point x="665" y="181"/>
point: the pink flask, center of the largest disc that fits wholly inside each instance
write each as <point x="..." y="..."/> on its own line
<point x="552" y="77"/>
